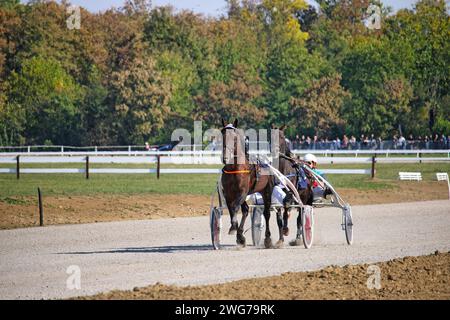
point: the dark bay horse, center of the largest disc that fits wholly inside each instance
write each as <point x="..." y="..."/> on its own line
<point x="240" y="178"/>
<point x="288" y="166"/>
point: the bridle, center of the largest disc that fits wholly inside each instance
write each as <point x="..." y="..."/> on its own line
<point x="228" y="127"/>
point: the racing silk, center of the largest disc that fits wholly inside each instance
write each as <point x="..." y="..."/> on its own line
<point x="320" y="173"/>
<point x="302" y="180"/>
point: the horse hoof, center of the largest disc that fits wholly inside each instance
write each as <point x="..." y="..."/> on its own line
<point x="232" y="231"/>
<point x="285" y="231"/>
<point x="279" y="244"/>
<point x="268" y="243"/>
<point x="240" y="240"/>
<point x="295" y="243"/>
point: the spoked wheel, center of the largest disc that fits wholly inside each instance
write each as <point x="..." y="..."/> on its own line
<point x="348" y="224"/>
<point x="216" y="227"/>
<point x="257" y="225"/>
<point x="307" y="226"/>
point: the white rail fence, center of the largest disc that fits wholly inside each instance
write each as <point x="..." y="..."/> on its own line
<point x="179" y="157"/>
<point x="196" y="149"/>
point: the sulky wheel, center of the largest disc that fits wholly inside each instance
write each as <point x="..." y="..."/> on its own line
<point x="307" y="226"/>
<point x="257" y="225"/>
<point x="348" y="224"/>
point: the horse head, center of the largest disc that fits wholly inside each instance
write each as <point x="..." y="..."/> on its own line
<point x="232" y="144"/>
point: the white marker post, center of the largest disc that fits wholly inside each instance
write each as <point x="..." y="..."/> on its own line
<point x="443" y="176"/>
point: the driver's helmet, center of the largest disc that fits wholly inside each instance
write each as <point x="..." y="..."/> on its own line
<point x="310" y="159"/>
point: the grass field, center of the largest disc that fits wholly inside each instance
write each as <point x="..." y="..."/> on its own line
<point x="202" y="184"/>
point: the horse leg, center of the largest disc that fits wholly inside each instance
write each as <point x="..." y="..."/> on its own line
<point x="240" y="239"/>
<point x="234" y="220"/>
<point x="280" y="242"/>
<point x="287" y="200"/>
<point x="285" y="222"/>
<point x="298" y="238"/>
<point x="267" y="203"/>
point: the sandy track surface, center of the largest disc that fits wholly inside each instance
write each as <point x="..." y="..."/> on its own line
<point x="22" y="212"/>
<point x="128" y="254"/>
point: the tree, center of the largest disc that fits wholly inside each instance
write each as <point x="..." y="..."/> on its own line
<point x="280" y="17"/>
<point x="46" y="97"/>
<point x="318" y="110"/>
<point x="95" y="112"/>
<point x="236" y="99"/>
<point x="140" y="98"/>
<point x="290" y="71"/>
<point x="380" y="94"/>
<point x="425" y="32"/>
<point x="9" y="4"/>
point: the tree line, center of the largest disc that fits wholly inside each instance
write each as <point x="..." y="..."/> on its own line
<point x="136" y="73"/>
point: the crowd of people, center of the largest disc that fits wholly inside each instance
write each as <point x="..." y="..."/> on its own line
<point x="370" y="142"/>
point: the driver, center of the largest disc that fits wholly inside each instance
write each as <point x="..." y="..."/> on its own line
<point x="311" y="161"/>
<point x="320" y="190"/>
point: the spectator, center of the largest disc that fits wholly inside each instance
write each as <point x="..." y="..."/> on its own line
<point x="420" y="144"/>
<point x="411" y="142"/>
<point x="373" y="142"/>
<point x="402" y="142"/>
<point x="435" y="141"/>
<point x="308" y="142"/>
<point x="353" y="142"/>
<point x="443" y="144"/>
<point x="323" y="143"/>
<point x="338" y="143"/>
<point x="395" y="141"/>
<point x="379" y="143"/>
<point x="366" y="142"/>
<point x="360" y="142"/>
<point x="426" y="140"/>
<point x="345" y="142"/>
<point x="147" y="146"/>
<point x="297" y="142"/>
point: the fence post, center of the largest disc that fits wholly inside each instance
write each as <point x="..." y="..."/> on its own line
<point x="373" y="167"/>
<point x="158" y="165"/>
<point x="18" y="167"/>
<point x="332" y="157"/>
<point x="420" y="157"/>
<point x="87" y="167"/>
<point x="41" y="209"/>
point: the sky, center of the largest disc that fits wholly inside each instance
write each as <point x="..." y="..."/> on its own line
<point x="207" y="7"/>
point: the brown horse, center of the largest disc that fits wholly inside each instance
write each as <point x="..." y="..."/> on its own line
<point x="239" y="179"/>
<point x="288" y="166"/>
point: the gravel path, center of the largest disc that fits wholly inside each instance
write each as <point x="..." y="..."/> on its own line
<point x="124" y="255"/>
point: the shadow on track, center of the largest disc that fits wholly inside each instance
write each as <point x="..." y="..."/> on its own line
<point x="163" y="249"/>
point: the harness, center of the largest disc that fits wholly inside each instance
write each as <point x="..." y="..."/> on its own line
<point x="302" y="179"/>
<point x="236" y="171"/>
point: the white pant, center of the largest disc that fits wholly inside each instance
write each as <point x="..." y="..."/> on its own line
<point x="278" y="196"/>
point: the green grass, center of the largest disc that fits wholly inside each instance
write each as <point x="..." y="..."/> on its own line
<point x="76" y="184"/>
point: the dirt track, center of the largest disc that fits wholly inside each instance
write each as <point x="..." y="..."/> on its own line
<point x="128" y="254"/>
<point x="20" y="212"/>
<point x="425" y="277"/>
